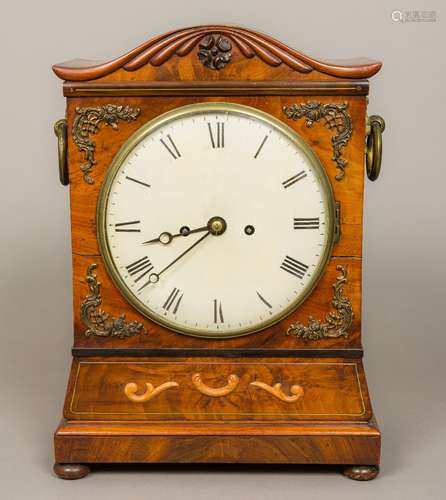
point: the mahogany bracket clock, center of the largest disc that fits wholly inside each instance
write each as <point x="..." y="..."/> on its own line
<point x="216" y="180"/>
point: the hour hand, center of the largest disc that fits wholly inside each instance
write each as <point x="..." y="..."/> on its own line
<point x="165" y="238"/>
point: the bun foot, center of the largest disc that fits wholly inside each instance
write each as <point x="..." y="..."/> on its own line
<point x="71" y="471"/>
<point x="361" y="472"/>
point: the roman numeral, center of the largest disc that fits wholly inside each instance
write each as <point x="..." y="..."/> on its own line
<point x="264" y="300"/>
<point x="292" y="180"/>
<point x="306" y="223"/>
<point x="294" y="267"/>
<point x="173" y="150"/>
<point x="139" y="268"/>
<point x="121" y="227"/>
<point x="218" y="312"/>
<point x="137" y="181"/>
<point x="172" y="299"/>
<point x="261" y="146"/>
<point x="219" y="140"/>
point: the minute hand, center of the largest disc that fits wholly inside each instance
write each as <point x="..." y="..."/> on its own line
<point x="154" y="277"/>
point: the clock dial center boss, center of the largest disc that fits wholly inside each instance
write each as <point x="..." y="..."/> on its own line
<point x="217" y="226"/>
<point x="269" y="210"/>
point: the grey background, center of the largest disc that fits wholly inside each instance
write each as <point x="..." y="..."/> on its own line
<point x="404" y="266"/>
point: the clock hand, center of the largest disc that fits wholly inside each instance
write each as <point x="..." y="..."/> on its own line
<point x="154" y="277"/>
<point x="215" y="226"/>
<point x="165" y="238"/>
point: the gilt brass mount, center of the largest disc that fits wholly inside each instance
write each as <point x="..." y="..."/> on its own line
<point x="97" y="321"/>
<point x="87" y="122"/>
<point x="337" y="323"/>
<point x="336" y="118"/>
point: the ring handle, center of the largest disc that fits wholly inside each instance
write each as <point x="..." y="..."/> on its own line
<point x="215" y="392"/>
<point x="376" y="126"/>
<point x="60" y="129"/>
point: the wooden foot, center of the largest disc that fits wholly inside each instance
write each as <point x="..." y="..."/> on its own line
<point x="361" y="472"/>
<point x="71" y="471"/>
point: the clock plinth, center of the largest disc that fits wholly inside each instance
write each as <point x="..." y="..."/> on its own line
<point x="299" y="444"/>
<point x="217" y="256"/>
<point x="218" y="410"/>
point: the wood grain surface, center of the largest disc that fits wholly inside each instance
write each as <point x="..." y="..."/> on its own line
<point x="174" y="54"/>
<point x="349" y="192"/>
<point x="107" y="442"/>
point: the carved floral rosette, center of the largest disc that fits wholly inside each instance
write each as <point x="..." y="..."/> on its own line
<point x="215" y="51"/>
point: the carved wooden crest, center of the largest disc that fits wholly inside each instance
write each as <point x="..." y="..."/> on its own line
<point x="214" y="46"/>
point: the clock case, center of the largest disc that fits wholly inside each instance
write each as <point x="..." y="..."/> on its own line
<point x="294" y="392"/>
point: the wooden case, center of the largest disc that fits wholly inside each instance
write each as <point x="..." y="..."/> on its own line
<point x="327" y="417"/>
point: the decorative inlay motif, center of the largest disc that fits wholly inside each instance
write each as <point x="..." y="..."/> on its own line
<point x="337" y="323"/>
<point x="131" y="389"/>
<point x="336" y="118"/>
<point x="218" y="392"/>
<point x="100" y="323"/>
<point x="276" y="390"/>
<point x="215" y="51"/>
<point x="87" y="122"/>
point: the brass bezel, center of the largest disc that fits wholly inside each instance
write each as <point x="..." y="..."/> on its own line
<point x="162" y="120"/>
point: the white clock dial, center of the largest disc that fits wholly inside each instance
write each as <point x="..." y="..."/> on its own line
<point x="215" y="220"/>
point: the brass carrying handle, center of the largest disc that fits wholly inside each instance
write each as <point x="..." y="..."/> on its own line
<point x="216" y="392"/>
<point x="373" y="155"/>
<point x="60" y="129"/>
<point x="131" y="389"/>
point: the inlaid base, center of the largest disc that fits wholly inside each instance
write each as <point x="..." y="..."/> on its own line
<point x="219" y="390"/>
<point x="218" y="410"/>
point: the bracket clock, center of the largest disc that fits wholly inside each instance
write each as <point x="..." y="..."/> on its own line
<point x="216" y="182"/>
